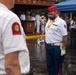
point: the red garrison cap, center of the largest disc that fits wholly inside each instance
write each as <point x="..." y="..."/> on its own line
<point x="52" y="8"/>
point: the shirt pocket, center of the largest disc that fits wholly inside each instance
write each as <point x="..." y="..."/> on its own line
<point x="54" y="27"/>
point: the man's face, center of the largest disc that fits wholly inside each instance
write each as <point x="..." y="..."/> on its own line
<point x="51" y="15"/>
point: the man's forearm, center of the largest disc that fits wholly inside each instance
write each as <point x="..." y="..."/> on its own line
<point x="12" y="70"/>
<point x="12" y="66"/>
<point x="64" y="41"/>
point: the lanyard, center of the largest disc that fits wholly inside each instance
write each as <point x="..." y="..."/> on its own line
<point x="50" y="24"/>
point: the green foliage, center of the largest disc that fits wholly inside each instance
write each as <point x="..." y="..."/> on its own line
<point x="60" y="0"/>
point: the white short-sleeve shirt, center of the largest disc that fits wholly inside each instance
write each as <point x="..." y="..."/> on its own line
<point x="23" y="17"/>
<point x="37" y="17"/>
<point x="12" y="38"/>
<point x="55" y="30"/>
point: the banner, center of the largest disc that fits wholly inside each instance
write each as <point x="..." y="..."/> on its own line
<point x="35" y="2"/>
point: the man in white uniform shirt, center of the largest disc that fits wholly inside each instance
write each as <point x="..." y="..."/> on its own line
<point x="56" y="33"/>
<point x="14" y="55"/>
<point x="23" y="18"/>
<point x="37" y="22"/>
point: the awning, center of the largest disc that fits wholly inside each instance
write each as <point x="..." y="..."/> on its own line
<point x="67" y="5"/>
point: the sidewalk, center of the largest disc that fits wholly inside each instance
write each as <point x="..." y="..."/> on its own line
<point x="38" y="58"/>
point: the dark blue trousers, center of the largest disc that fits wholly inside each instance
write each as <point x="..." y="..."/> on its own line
<point x="54" y="60"/>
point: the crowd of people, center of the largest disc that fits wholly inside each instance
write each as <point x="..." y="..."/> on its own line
<point x="71" y="28"/>
<point x="72" y="32"/>
<point x="36" y="17"/>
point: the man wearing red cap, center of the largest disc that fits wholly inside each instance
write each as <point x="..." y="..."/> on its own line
<point x="56" y="39"/>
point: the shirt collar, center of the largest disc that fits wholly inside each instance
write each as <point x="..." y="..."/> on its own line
<point x="56" y="18"/>
<point x="3" y="6"/>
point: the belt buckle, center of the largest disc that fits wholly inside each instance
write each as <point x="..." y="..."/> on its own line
<point x="52" y="44"/>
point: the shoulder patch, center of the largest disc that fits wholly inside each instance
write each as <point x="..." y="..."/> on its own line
<point x="16" y="29"/>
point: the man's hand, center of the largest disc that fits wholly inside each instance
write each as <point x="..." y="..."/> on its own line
<point x="63" y="52"/>
<point x="63" y="45"/>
